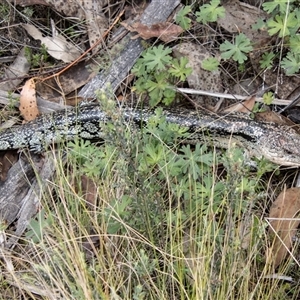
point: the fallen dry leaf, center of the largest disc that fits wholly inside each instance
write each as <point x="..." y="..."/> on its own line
<point x="28" y="105"/>
<point x="273" y="117"/>
<point x="14" y="74"/>
<point x="89" y="191"/>
<point x="69" y="81"/>
<point x="57" y="46"/>
<point x="89" y="12"/>
<point x="283" y="223"/>
<point x="165" y="31"/>
<point x="243" y="107"/>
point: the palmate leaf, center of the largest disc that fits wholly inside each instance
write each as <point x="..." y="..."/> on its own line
<point x="294" y="43"/>
<point x="291" y="63"/>
<point x="195" y="161"/>
<point x="210" y="64"/>
<point x="268" y="98"/>
<point x="283" y="25"/>
<point x="267" y="60"/>
<point x="210" y="12"/>
<point x="281" y="5"/>
<point x="158" y="88"/>
<point x="181" y="19"/>
<point x="237" y="50"/>
<point x="179" y="69"/>
<point x="157" y="58"/>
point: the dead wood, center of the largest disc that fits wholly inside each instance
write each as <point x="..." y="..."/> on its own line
<point x="20" y="194"/>
<point x="157" y="11"/>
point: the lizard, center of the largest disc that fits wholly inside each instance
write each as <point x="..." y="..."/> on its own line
<point x="279" y="144"/>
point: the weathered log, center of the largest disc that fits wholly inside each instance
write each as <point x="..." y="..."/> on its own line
<point x="157" y="11"/>
<point x="20" y="193"/>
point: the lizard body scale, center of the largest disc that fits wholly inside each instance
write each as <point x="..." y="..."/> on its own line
<point x="278" y="143"/>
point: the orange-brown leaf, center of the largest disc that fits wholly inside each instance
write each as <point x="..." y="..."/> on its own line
<point x="28" y="105"/>
<point x="165" y="31"/>
<point x="89" y="190"/>
<point x="284" y="223"/>
<point x="244" y="107"/>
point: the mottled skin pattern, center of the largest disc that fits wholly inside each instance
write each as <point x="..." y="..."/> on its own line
<point x="278" y="143"/>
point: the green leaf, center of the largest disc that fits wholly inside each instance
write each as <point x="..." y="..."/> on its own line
<point x="291" y="63"/>
<point x="157" y="58"/>
<point x="181" y="19"/>
<point x="268" y="98"/>
<point x="210" y="12"/>
<point x="154" y="153"/>
<point x="156" y="96"/>
<point x="294" y="44"/>
<point x="194" y="161"/>
<point x="37" y="227"/>
<point x="117" y="213"/>
<point x="267" y="60"/>
<point x="210" y="64"/>
<point x="159" y="89"/>
<point x="139" y="69"/>
<point x="159" y="82"/>
<point x="179" y="70"/>
<point x="169" y="96"/>
<point x="237" y="50"/>
<point x="283" y="25"/>
<point x="140" y="84"/>
<point x="276" y="5"/>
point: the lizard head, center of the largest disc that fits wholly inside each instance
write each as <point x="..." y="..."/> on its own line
<point x="282" y="147"/>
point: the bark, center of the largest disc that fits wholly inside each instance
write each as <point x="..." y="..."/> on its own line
<point x="14" y="189"/>
<point x="157" y="11"/>
<point x="20" y="194"/>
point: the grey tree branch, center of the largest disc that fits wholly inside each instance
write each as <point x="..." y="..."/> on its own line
<point x="157" y="11"/>
<point x="20" y="194"/>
